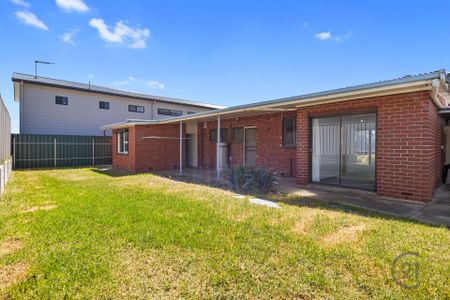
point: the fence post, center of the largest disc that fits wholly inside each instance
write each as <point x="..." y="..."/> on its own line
<point x="54" y="150"/>
<point x="14" y="152"/>
<point x="93" y="152"/>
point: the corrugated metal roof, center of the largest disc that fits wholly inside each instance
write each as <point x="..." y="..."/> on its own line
<point x="397" y="81"/>
<point x="303" y="98"/>
<point x="104" y="90"/>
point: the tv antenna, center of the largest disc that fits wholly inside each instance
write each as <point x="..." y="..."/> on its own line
<point x="36" y="62"/>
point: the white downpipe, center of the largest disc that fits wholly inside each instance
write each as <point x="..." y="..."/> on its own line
<point x="181" y="148"/>
<point x="218" y="149"/>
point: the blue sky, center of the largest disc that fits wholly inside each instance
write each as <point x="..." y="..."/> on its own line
<point x="223" y="52"/>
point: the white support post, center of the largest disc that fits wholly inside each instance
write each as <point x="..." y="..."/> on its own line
<point x="181" y="148"/>
<point x="54" y="151"/>
<point x="218" y="148"/>
<point x="93" y="152"/>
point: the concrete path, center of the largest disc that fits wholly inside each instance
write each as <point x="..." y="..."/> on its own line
<point x="436" y="212"/>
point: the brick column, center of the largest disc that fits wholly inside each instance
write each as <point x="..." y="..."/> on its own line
<point x="303" y="146"/>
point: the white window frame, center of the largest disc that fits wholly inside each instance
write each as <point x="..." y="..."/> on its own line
<point x="121" y="139"/>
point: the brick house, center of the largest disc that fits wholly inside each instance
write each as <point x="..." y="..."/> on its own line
<point x="387" y="137"/>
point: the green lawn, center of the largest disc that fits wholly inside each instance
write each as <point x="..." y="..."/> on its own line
<point x="84" y="234"/>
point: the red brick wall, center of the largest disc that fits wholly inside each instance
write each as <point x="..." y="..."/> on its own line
<point x="270" y="151"/>
<point x="409" y="137"/>
<point x="147" y="155"/>
<point x="124" y="162"/>
<point x="159" y="154"/>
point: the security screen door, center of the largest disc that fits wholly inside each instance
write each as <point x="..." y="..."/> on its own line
<point x="343" y="150"/>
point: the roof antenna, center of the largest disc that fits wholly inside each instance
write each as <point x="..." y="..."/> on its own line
<point x="36" y="62"/>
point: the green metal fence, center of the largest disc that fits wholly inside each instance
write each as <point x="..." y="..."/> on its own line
<point x="45" y="151"/>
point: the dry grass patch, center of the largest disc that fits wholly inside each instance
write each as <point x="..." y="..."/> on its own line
<point x="347" y="234"/>
<point x="155" y="274"/>
<point x="36" y="208"/>
<point x="302" y="225"/>
<point x="12" y="274"/>
<point x="9" y="246"/>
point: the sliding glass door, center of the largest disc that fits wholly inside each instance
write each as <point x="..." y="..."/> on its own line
<point x="343" y="150"/>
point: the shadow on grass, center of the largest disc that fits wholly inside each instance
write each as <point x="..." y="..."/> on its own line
<point x="338" y="207"/>
<point x="108" y="171"/>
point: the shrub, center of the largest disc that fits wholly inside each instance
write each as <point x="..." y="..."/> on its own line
<point x="251" y="179"/>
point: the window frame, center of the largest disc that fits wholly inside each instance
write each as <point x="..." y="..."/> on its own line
<point x="169" y="112"/>
<point x="64" y="100"/>
<point x="213" y="137"/>
<point x="122" y="142"/>
<point x="294" y="133"/>
<point x="136" y="110"/>
<point x="240" y="137"/>
<point x="224" y="135"/>
<point x="104" y="107"/>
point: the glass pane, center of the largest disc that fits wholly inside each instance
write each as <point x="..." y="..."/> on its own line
<point x="120" y="140"/>
<point x="358" y="151"/>
<point x="325" y="155"/>
<point x="250" y="147"/>
<point x="289" y="132"/>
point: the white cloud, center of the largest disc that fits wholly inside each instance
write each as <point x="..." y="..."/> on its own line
<point x="72" y="5"/>
<point x="121" y="82"/>
<point x="153" y="84"/>
<point x="323" y="36"/>
<point x="21" y="3"/>
<point x="68" y="36"/>
<point x="326" y="35"/>
<point x="122" y="34"/>
<point x="30" y="19"/>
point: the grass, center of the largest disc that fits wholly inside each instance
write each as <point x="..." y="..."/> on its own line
<point x="79" y="233"/>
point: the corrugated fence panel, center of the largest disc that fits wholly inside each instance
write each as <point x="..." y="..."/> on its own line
<point x="46" y="151"/>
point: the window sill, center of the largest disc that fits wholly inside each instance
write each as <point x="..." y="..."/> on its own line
<point x="289" y="147"/>
<point x="122" y="153"/>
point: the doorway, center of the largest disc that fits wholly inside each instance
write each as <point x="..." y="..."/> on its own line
<point x="343" y="150"/>
<point x="190" y="150"/>
<point x="250" y="147"/>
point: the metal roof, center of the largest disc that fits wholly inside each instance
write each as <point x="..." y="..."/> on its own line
<point x="439" y="74"/>
<point x="17" y="77"/>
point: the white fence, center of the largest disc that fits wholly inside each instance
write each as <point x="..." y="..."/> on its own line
<point x="5" y="145"/>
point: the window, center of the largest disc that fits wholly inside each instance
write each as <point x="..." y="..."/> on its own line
<point x="169" y="112"/>
<point x="122" y="142"/>
<point x="213" y="135"/>
<point x="103" y="105"/>
<point x="191" y="112"/>
<point x="136" y="108"/>
<point x="61" y="100"/>
<point x="289" y="129"/>
<point x="238" y="135"/>
<point x="223" y="135"/>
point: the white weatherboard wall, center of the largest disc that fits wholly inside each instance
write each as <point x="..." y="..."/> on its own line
<point x="5" y="146"/>
<point x="82" y="116"/>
